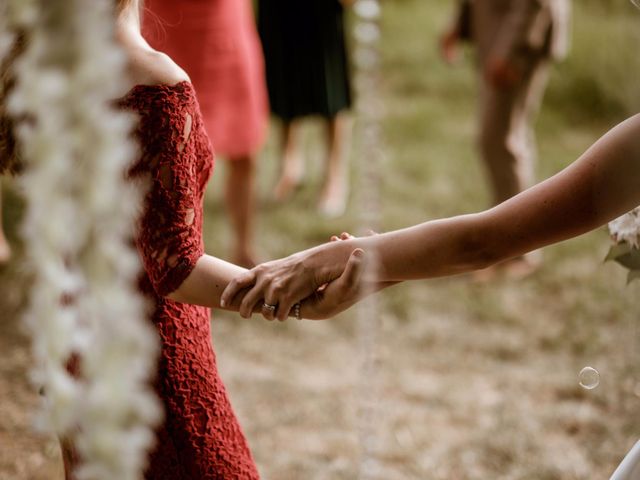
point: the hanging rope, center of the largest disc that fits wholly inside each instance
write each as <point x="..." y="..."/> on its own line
<point x="366" y="59"/>
<point x="84" y="307"/>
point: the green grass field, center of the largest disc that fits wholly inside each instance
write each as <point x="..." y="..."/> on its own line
<point x="473" y="381"/>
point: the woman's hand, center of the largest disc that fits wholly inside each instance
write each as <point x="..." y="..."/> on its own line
<point x="335" y="297"/>
<point x="280" y="284"/>
<point x="328" y="297"/>
<point x="352" y="286"/>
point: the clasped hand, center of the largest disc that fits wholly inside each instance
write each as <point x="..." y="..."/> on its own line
<point x="321" y="290"/>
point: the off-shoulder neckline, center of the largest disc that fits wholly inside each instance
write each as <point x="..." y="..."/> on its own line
<point x="181" y="85"/>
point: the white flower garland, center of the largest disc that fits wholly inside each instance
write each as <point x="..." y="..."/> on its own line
<point x="78" y="230"/>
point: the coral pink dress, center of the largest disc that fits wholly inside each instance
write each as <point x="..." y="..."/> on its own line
<point x="200" y="438"/>
<point x="217" y="44"/>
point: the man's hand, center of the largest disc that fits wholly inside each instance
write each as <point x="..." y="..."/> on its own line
<point x="502" y="73"/>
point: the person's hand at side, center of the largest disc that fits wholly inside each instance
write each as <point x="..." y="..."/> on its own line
<point x="502" y="73"/>
<point x="449" y="45"/>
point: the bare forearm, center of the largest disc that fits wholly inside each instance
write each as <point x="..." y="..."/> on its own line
<point x="599" y="186"/>
<point x="206" y="282"/>
<point x="432" y="249"/>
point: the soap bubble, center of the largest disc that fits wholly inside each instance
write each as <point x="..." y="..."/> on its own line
<point x="589" y="378"/>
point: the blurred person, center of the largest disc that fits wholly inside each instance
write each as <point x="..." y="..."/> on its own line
<point x="216" y="42"/>
<point x="308" y="74"/>
<point x="515" y="41"/>
<point x="599" y="186"/>
<point x="200" y="437"/>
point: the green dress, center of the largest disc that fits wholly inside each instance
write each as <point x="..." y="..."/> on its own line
<point x="305" y="57"/>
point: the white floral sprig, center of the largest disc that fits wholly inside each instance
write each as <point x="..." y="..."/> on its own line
<point x="78" y="229"/>
<point x="627" y="228"/>
<point x="625" y="231"/>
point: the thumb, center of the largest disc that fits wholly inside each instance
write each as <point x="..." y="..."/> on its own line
<point x="353" y="270"/>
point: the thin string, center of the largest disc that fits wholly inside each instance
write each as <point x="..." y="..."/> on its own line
<point x="366" y="35"/>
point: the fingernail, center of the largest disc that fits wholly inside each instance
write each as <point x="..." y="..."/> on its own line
<point x="223" y="303"/>
<point x="358" y="253"/>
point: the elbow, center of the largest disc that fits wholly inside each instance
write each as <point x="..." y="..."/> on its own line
<point x="175" y="296"/>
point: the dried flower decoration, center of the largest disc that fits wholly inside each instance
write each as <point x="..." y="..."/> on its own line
<point x="625" y="232"/>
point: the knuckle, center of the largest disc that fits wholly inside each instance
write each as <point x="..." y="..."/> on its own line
<point x="246" y="280"/>
<point x="278" y="286"/>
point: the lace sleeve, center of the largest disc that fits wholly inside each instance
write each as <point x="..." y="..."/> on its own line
<point x="168" y="240"/>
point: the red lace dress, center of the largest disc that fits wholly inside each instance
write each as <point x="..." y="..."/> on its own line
<point x="200" y="438"/>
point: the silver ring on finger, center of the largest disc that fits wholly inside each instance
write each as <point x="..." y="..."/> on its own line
<point x="271" y="308"/>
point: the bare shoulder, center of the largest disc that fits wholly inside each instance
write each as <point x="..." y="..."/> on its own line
<point x="150" y="67"/>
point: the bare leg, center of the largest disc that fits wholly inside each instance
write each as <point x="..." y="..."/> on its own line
<point x="5" y="249"/>
<point x="292" y="168"/>
<point x="239" y="196"/>
<point x="333" y="199"/>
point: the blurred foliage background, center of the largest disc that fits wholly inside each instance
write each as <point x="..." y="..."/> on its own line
<point x="477" y="381"/>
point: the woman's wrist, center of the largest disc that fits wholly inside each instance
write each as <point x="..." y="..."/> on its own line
<point x="327" y="261"/>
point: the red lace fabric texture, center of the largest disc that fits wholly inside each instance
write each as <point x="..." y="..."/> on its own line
<point x="200" y="438"/>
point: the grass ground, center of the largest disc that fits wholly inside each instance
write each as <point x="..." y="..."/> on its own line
<point x="472" y="381"/>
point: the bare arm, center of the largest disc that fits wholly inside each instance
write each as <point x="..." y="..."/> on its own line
<point x="211" y="275"/>
<point x="602" y="184"/>
<point x="206" y="282"/>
